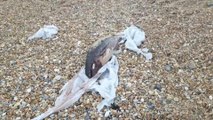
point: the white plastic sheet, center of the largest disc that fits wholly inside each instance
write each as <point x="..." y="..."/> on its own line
<point x="134" y="37"/>
<point x="108" y="84"/>
<point x="104" y="82"/>
<point x="47" y="32"/>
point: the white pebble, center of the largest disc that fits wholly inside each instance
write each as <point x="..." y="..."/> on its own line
<point x="107" y="113"/>
<point x="56" y="70"/>
<point x="210" y="97"/>
<point x="123" y="99"/>
<point x="57" y="77"/>
<point x="45" y="76"/>
<point x="129" y="85"/>
<point x="15" y="98"/>
<point x="151" y="92"/>
<point x="125" y="51"/>
<point x="18" y="118"/>
<point x="29" y="90"/>
<point x="176" y="99"/>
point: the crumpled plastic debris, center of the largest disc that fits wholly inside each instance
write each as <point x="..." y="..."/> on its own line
<point x="47" y="32"/>
<point x="104" y="82"/>
<point x="106" y="86"/>
<point x="148" y="55"/>
<point x="134" y="37"/>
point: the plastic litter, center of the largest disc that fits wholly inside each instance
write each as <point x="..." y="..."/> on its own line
<point x="104" y="82"/>
<point x="108" y="84"/>
<point x="134" y="37"/>
<point x="47" y="32"/>
<point x="148" y="55"/>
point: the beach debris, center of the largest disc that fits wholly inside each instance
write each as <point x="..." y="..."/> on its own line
<point x="134" y="38"/>
<point x="104" y="82"/>
<point x="46" y="32"/>
<point x="100" y="73"/>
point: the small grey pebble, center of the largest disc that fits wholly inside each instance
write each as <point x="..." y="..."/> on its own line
<point x="129" y="73"/>
<point x="191" y="65"/>
<point x="66" y="118"/>
<point x="168" y="101"/>
<point x="44" y="97"/>
<point x="87" y="117"/>
<point x="151" y="106"/>
<point x="158" y="87"/>
<point x="34" y="109"/>
<point x="168" y="67"/>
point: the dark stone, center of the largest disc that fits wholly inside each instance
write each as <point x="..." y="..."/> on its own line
<point x="168" y="54"/>
<point x="151" y="106"/>
<point x="158" y="87"/>
<point x="115" y="107"/>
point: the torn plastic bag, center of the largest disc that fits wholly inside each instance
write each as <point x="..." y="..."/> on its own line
<point x="134" y="34"/>
<point x="107" y="84"/>
<point x="47" y="32"/>
<point x="104" y="82"/>
<point x="134" y="37"/>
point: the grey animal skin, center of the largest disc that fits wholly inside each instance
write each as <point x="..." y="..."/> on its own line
<point x="100" y="53"/>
